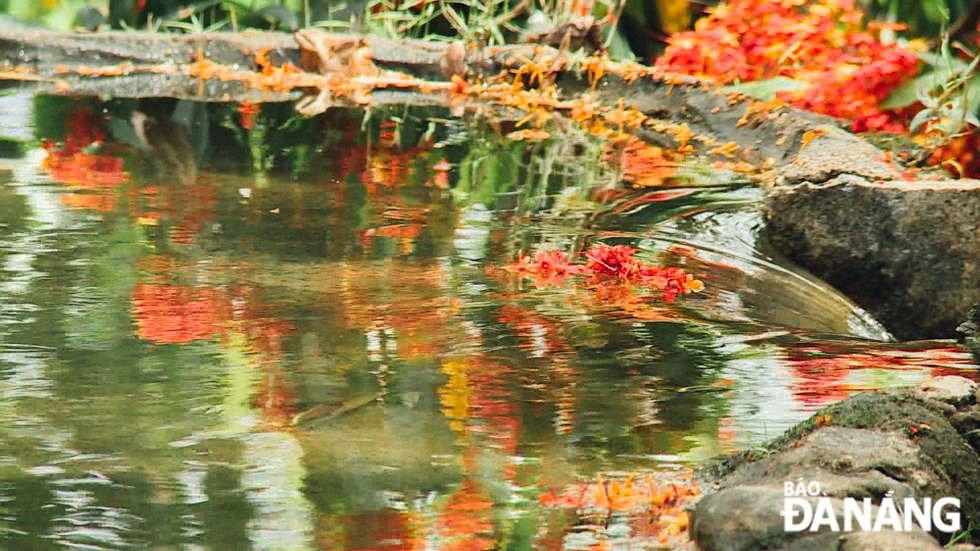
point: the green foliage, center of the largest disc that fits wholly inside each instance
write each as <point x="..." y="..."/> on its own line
<point x="924" y="17"/>
<point x="475" y="21"/>
<point x="488" y="169"/>
<point x="949" y="92"/>
<point x="54" y="14"/>
<point x="385" y="19"/>
<point x="967" y="534"/>
<point x="195" y="25"/>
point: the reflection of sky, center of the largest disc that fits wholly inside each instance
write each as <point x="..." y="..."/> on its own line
<point x="761" y="404"/>
<point x="473" y="233"/>
<point x="16" y="112"/>
<point x="275" y="482"/>
<point x="24" y="374"/>
<point x="46" y="212"/>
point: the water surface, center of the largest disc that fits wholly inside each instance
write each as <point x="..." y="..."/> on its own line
<point x="314" y="343"/>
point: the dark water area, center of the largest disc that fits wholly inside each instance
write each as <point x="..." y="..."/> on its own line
<point x="304" y="335"/>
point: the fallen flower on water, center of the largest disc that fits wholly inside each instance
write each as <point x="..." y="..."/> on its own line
<point x="605" y="261"/>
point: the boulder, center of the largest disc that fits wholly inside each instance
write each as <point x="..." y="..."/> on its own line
<point x="950" y="388"/>
<point x="908" y="252"/>
<point x="886" y="446"/>
<point x="970" y="333"/>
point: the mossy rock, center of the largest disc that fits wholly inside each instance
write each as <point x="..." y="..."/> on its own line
<point x="970" y="333"/>
<point x="923" y="422"/>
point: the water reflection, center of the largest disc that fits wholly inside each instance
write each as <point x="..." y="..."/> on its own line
<point x="323" y="352"/>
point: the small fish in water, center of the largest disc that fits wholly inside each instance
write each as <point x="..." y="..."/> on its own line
<point x="169" y="144"/>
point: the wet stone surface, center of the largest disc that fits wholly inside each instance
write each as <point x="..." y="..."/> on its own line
<point x="905" y="251"/>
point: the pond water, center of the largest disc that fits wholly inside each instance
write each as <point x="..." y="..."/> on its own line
<point x="312" y="342"/>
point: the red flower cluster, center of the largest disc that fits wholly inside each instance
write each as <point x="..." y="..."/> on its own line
<point x="605" y="261"/>
<point x="620" y="261"/>
<point x="965" y="150"/>
<point x="817" y="42"/>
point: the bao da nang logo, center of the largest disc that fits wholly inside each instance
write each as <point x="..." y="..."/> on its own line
<point x="799" y="513"/>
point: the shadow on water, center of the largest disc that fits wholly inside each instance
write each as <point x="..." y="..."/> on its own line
<point x="311" y="342"/>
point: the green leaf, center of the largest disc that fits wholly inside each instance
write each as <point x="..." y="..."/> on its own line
<point x="920" y="118"/>
<point x="908" y="93"/>
<point x="937" y="60"/>
<point x="904" y="95"/>
<point x="973" y="94"/>
<point x="619" y="48"/>
<point x="330" y="24"/>
<point x="935" y="11"/>
<point x="765" y="90"/>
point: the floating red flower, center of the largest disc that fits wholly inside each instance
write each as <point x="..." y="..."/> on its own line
<point x="605" y="261"/>
<point x="549" y="267"/>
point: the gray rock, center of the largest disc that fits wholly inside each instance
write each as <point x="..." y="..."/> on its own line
<point x="741" y="518"/>
<point x="827" y="541"/>
<point x="837" y="152"/>
<point x="847" y="462"/>
<point x="888" y="541"/>
<point x="970" y="333"/>
<point x="748" y="518"/>
<point x="950" y="388"/>
<point x="908" y="252"/>
<point x="900" y="444"/>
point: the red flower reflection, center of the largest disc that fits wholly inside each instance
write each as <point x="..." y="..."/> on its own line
<point x="823" y="375"/>
<point x="177" y="314"/>
<point x="190" y="208"/>
<point x="466" y="519"/>
<point x="656" y="506"/>
<point x="412" y="304"/>
<point x="179" y="302"/>
<point x="248" y="110"/>
<point x="645" y="165"/>
<point x="376" y="530"/>
<point x="72" y="164"/>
